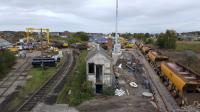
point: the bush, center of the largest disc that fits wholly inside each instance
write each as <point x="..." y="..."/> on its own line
<point x="6" y="61"/>
<point x="81" y="90"/>
<point x="108" y="91"/>
<point x="149" y="41"/>
<point x="167" y="40"/>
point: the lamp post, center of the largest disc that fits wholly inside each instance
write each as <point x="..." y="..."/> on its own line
<point x="116" y="24"/>
<point x="41" y="39"/>
<point x="117" y="46"/>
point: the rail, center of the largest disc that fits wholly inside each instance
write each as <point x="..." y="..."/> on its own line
<point x="19" y="71"/>
<point x="167" y="100"/>
<point x="42" y="93"/>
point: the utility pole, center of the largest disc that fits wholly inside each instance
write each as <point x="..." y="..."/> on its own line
<point x="116" y="24"/>
<point x="41" y="42"/>
<point x="117" y="46"/>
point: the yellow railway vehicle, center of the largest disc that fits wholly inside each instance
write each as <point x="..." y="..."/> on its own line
<point x="140" y="46"/>
<point x="156" y="56"/>
<point x="146" y="49"/>
<point x="129" y="45"/>
<point x="182" y="82"/>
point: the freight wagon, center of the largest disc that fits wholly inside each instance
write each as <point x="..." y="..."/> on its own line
<point x="49" y="62"/>
<point x="183" y="83"/>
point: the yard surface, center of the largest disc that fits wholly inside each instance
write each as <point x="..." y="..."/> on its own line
<point x="187" y="45"/>
<point x="132" y="101"/>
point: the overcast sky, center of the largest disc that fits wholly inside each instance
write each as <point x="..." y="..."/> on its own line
<point x="99" y="15"/>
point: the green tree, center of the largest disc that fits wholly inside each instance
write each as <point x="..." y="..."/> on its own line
<point x="81" y="36"/>
<point x="127" y="35"/>
<point x="161" y="40"/>
<point x="149" y="41"/>
<point x="147" y="35"/>
<point x="167" y="40"/>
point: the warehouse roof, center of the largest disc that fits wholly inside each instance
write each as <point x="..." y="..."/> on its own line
<point x="4" y="43"/>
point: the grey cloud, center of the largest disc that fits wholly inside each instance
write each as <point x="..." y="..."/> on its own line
<point x="99" y="15"/>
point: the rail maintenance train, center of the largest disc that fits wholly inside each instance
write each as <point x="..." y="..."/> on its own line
<point x="183" y="83"/>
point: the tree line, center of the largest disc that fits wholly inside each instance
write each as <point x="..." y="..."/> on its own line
<point x="165" y="40"/>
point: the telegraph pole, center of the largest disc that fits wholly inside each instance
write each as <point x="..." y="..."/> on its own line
<point x="41" y="40"/>
<point x="116" y="24"/>
<point x="117" y="46"/>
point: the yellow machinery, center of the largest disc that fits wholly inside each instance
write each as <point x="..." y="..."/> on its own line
<point x="13" y="49"/>
<point x="129" y="45"/>
<point x="30" y="30"/>
<point x="156" y="56"/>
<point x="123" y="41"/>
<point x="65" y="45"/>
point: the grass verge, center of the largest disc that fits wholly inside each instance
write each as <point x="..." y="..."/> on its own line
<point x="81" y="90"/>
<point x="183" y="45"/>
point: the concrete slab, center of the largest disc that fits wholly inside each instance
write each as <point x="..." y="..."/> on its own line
<point x="12" y="78"/>
<point x="19" y="83"/>
<point x="21" y="78"/>
<point x="13" y="87"/>
<point x="6" y="84"/>
<point x="2" y="90"/>
<point x="41" y="107"/>
<point x="9" y="91"/>
<point x="23" y="74"/>
<point x="1" y="82"/>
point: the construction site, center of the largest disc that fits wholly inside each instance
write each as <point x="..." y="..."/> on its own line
<point x="133" y="76"/>
<point x="42" y="70"/>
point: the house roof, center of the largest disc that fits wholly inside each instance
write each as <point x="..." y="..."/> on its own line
<point x="95" y="50"/>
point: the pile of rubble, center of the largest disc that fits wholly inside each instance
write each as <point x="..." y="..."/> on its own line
<point x="192" y="108"/>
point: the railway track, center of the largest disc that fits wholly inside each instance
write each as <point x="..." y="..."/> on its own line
<point x="164" y="99"/>
<point x="13" y="77"/>
<point x="41" y="94"/>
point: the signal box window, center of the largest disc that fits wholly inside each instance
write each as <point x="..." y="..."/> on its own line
<point x="91" y="67"/>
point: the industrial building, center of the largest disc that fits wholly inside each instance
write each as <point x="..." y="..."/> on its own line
<point x="99" y="68"/>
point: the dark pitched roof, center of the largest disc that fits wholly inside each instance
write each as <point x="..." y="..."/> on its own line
<point x="95" y="50"/>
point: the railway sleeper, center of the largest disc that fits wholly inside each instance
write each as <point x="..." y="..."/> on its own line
<point x="44" y="90"/>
